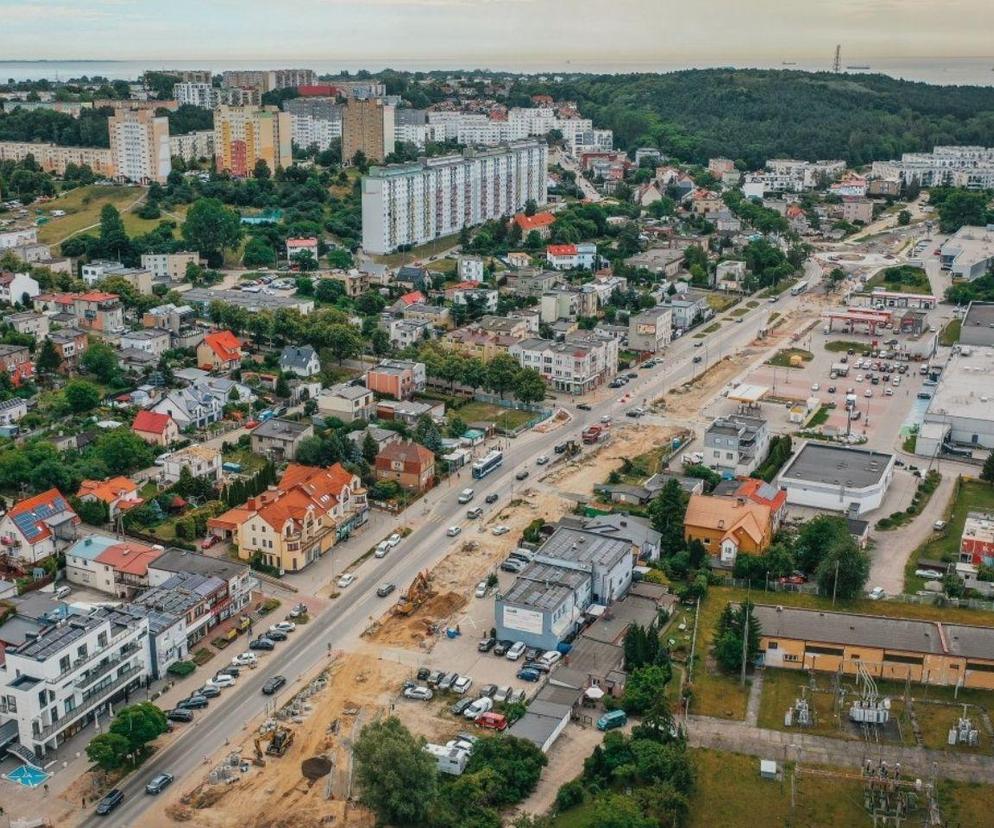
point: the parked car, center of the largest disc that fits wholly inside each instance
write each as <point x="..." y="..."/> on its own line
<point x="542" y="460"/>
<point x="223" y="681"/>
<point x="234" y="672"/>
<point x="245" y="660"/>
<point x="462" y="684"/>
<point x="381" y="549"/>
<point x="612" y="719"/>
<point x="939" y="525"/>
<point x="460" y="707"/>
<point x="521" y="475"/>
<point x="481" y="590"/>
<point x="297" y="611"/>
<point x="452" y="531"/>
<point x="501" y="647"/>
<point x="394" y="539"/>
<point x="346" y="580"/>
<point x="488" y="690"/>
<point x="110" y="802"/>
<point x="499" y="530"/>
<point x="276" y="635"/>
<point x="434" y="677"/>
<point x="158" y="783"/>
<point x="517" y="650"/>
<point x="479" y="707"/>
<point x="179" y="714"/>
<point x="262" y="643"/>
<point x="195" y="702"/>
<point x="418" y="693"/>
<point x="273" y="683"/>
<point x="583" y="407"/>
<point x="383" y="590"/>
<point x="877" y="593"/>
<point x="445" y="683"/>
<point x="529" y="674"/>
<point x="486" y="644"/>
<point x="550" y="657"/>
<point x="512" y="565"/>
<point x="209" y="541"/>
<point x="540" y="666"/>
<point x="492" y="721"/>
<point x="500" y="694"/>
<point x="286" y="626"/>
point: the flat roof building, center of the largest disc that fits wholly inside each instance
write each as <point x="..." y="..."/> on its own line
<point x="978" y="324"/>
<point x="960" y="409"/>
<point x="969" y="253"/>
<point x="838" y="479"/>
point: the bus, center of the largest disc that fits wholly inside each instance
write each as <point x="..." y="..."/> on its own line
<point x="799" y="288"/>
<point x="481" y="468"/>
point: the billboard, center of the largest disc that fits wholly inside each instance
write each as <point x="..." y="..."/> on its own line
<point x="524" y="620"/>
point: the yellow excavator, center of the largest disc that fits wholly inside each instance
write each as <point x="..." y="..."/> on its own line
<point x="416" y="595"/>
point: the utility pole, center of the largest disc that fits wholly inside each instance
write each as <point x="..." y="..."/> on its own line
<point x="745" y="639"/>
<point x="835" y="583"/>
<point x="837" y="64"/>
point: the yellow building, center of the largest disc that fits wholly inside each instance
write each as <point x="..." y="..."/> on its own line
<point x="927" y="652"/>
<point x="244" y="135"/>
<point x="53" y="158"/>
<point x="367" y="127"/>
<point x="728" y="525"/>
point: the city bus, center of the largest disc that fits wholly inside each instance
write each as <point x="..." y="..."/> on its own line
<point x="799" y="288"/>
<point x="483" y="467"/>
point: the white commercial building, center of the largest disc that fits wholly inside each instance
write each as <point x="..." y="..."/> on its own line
<point x="411" y="204"/>
<point x="578" y="365"/>
<point x="969" y="253"/>
<point x="960" y="411"/>
<point x="970" y="167"/>
<point x="838" y="479"/>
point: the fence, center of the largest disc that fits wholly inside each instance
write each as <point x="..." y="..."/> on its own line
<point x="515" y="405"/>
<point x="774" y="586"/>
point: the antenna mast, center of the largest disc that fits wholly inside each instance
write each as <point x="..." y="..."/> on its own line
<point x="837" y="64"/>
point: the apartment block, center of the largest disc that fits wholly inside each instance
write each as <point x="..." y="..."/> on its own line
<point x="139" y="145"/>
<point x="967" y="166"/>
<point x="170" y="266"/>
<point x="367" y="127"/>
<point x="54" y="159"/>
<point x="577" y="365"/>
<point x="416" y="203"/>
<point x="193" y="146"/>
<point x="244" y="135"/>
<point x="202" y="95"/>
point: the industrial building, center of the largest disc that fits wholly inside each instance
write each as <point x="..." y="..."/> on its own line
<point x="838" y="479"/>
<point x="978" y="324"/>
<point x="969" y="254"/>
<point x="959" y="413"/>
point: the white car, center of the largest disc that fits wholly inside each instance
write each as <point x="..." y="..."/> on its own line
<point x="346" y="580"/>
<point x="245" y="660"/>
<point x="462" y="684"/>
<point x="868" y="392"/>
<point x="500" y="530"/>
<point x="888" y="392"/>
<point x="542" y="460"/>
<point x="452" y="531"/>
<point x="223" y="681"/>
<point x="815" y="386"/>
<point x="606" y="418"/>
<point x="381" y="549"/>
<point x="516" y="651"/>
<point x="482" y="705"/>
<point x="550" y="657"/>
<point x="394" y="539"/>
<point x="284" y="626"/>
<point x="481" y="590"/>
<point x="859" y="377"/>
<point x="877" y="593"/>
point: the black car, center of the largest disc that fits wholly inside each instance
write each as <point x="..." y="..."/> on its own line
<point x="698" y="358"/>
<point x="423" y="673"/>
<point x="179" y="714"/>
<point x="159" y="783"/>
<point x="460" y="706"/>
<point x="488" y="690"/>
<point x="486" y="644"/>
<point x="273" y="684"/>
<point x="541" y="666"/>
<point x="491" y="498"/>
<point x="583" y="407"/>
<point x="194" y="702"/>
<point x="110" y="802"/>
<point x="521" y="475"/>
<point x="276" y="635"/>
<point x="262" y="644"/>
<point x="209" y="691"/>
<point x="232" y="671"/>
<point x="501" y="647"/>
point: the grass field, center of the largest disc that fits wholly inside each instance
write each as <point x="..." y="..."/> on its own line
<point x="777" y="289"/>
<point x="969" y="496"/>
<point x="721" y="301"/>
<point x="419" y="253"/>
<point x="83" y="206"/>
<point x="507" y="418"/>
<point x="950" y="333"/>
<point x="909" y="280"/>
<point x="740" y="312"/>
<point x="782" y="358"/>
<point x="841" y="346"/>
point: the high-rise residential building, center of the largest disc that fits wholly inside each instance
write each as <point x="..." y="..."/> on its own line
<point x="186" y="75"/>
<point x="970" y="167"/>
<point x="139" y="145"/>
<point x="257" y="78"/>
<point x="315" y="121"/>
<point x="193" y="145"/>
<point x="417" y="203"/>
<point x="367" y="126"/>
<point x="244" y="135"/>
<point x="411" y="127"/>
<point x="291" y="78"/>
<point x="475" y="128"/>
<point x="202" y="95"/>
<point x="323" y="107"/>
<point x="268" y="79"/>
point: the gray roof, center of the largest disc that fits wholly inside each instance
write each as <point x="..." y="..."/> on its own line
<point x="657" y="481"/>
<point x="624" y="613"/>
<point x="180" y="560"/>
<point x="634" y="529"/>
<point x="292" y="357"/>
<point x="978" y="314"/>
<point x="824" y="463"/>
<point x="597" y="658"/>
<point x="876" y="631"/>
<point x="544" y="587"/>
<point x="280" y="429"/>
<point x="583" y="547"/>
<point x="538" y="727"/>
<point x="348" y="392"/>
<point x="58" y="638"/>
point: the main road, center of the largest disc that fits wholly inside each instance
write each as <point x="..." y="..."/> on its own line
<point x="341" y="626"/>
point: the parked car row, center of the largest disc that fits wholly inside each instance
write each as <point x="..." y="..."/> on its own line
<point x="199" y="699"/>
<point x="517" y="560"/>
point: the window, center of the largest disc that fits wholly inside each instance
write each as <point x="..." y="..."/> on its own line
<point x="980" y="667"/>
<point x="63" y="664"/>
<point x="814" y="649"/>
<point x="791" y="658"/>
<point x="903" y="659"/>
<point x="773" y="645"/>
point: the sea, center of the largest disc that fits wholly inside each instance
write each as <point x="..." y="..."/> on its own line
<point x="953" y="71"/>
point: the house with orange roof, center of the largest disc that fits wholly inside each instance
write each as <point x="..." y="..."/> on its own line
<point x="408" y="464"/>
<point x="704" y="201"/>
<point x="728" y="526"/>
<point x="299" y="520"/>
<point x="220" y="351"/>
<point x="541" y="223"/>
<point x="38" y="527"/>
<point x="122" y="569"/>
<point x="765" y="494"/>
<point x="119" y="493"/>
<point x="154" y="428"/>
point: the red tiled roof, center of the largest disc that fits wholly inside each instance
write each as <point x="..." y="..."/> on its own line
<point x="561" y="249"/>
<point x="412" y="298"/>
<point x="303" y="242"/>
<point x="97" y="296"/>
<point x="225" y="345"/>
<point x="750" y="488"/>
<point x="107" y="490"/>
<point x="539" y="220"/>
<point x="151" y="422"/>
<point x="132" y="558"/>
<point x="47" y="503"/>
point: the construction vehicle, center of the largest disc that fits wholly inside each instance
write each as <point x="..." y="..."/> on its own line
<point x="279" y="741"/>
<point x="592" y="434"/>
<point x="416" y="595"/>
<point x="243" y="624"/>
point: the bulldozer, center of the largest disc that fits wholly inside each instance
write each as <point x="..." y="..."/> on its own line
<point x="418" y="592"/>
<point x="279" y="741"/>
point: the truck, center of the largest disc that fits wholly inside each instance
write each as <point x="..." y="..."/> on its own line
<point x="592" y="434"/>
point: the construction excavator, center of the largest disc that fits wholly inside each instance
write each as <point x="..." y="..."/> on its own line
<point x="280" y="740"/>
<point x="418" y="592"/>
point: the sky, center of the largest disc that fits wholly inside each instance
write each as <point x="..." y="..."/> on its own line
<point x="494" y="32"/>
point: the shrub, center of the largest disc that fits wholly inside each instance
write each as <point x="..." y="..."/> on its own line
<point x="570" y="795"/>
<point x="181" y="669"/>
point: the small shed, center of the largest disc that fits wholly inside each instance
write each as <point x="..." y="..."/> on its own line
<point x="767" y="769"/>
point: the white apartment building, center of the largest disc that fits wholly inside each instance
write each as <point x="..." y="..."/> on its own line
<point x="522" y="122"/>
<point x="202" y="95"/>
<point x="193" y="146"/>
<point x="98" y="269"/>
<point x="970" y="167"/>
<point x="793" y="176"/>
<point x="416" y="203"/>
<point x="578" y="365"/>
<point x="310" y="130"/>
<point x="57" y="683"/>
<point x="139" y="145"/>
<point x="154" y="341"/>
<point x="170" y="266"/>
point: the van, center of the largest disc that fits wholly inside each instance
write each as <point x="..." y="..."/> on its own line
<point x="62" y="592"/>
<point x="611" y="720"/>
<point x="466" y="495"/>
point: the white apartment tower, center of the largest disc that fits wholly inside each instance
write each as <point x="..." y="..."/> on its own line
<point x="139" y="145"/>
<point x="411" y="204"/>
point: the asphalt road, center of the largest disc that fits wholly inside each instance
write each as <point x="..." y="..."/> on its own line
<point x="341" y="625"/>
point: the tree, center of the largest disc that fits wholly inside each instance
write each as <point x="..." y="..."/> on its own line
<point x="379" y="341"/>
<point x="258" y="253"/>
<point x="282" y="388"/>
<point x="94" y="512"/>
<point x="904" y="218"/>
<point x="113" y="237"/>
<point x="341" y="259"/>
<point x="617" y="811"/>
<point x="531" y="207"/>
<point x="108" y="751"/>
<point x="81" y="396"/>
<point x="211" y="228"/>
<point x="844" y="570"/>
<point x="329" y="290"/>
<point x="305" y="261"/>
<point x="396" y="778"/>
<point x="344" y="342"/>
<point x="139" y="724"/>
<point x="501" y="374"/>
<point x="369" y="448"/>
<point x="987" y="472"/>
<point x="529" y="387"/>
<point x="261" y="170"/>
<point x="457" y="426"/>
<point x="123" y="451"/>
<point x="817" y="537"/>
<point x="836" y="276"/>
<point x="101" y="361"/>
<point x="49" y="360"/>
<point x="959" y="208"/>
<point x="729" y="633"/>
<point x="517" y="762"/>
<point x="667" y="511"/>
<point x="310" y="452"/>
<point x="644" y="688"/>
<point x="427" y="434"/>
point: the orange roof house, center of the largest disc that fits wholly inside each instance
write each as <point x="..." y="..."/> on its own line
<point x="38" y="527"/>
<point x="123" y="567"/>
<point x="728" y="525"/>
<point x="540" y="222"/>
<point x="220" y="351"/>
<point x="119" y="493"/>
<point x="765" y="494"/>
<point x="154" y="428"/>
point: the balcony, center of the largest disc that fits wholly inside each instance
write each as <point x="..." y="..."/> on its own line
<point x="101" y="670"/>
<point x="75" y="666"/>
<point x="88" y="705"/>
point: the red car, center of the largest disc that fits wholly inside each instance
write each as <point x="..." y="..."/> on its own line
<point x="251" y="424"/>
<point x="209" y="541"/>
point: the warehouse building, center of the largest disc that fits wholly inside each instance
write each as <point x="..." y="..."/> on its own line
<point x="959" y="413"/>
<point x="838" y="479"/>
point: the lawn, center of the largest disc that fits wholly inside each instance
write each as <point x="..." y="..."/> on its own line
<point x="841" y="346"/>
<point x="950" y="333"/>
<point x="901" y="279"/>
<point x="249" y="460"/>
<point x="507" y="418"/>
<point x="782" y="358"/>
<point x="425" y="251"/>
<point x="644" y="465"/>
<point x="968" y="496"/>
<point x="739" y="312"/>
<point x="965" y="803"/>
<point x="83" y="206"/>
<point x="720" y="302"/>
<point x="820" y="417"/>
<point x="777" y="289"/>
<point x="752" y="303"/>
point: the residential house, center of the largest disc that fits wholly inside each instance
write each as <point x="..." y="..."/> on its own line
<point x="237" y="577"/>
<point x="14" y="287"/>
<point x="99" y="312"/>
<point x="408" y="464"/>
<point x="471" y="294"/>
<point x="977" y="541"/>
<point x="665" y="261"/>
<point x="857" y="210"/>
<point x="81" y="566"/>
<point x="737" y="444"/>
<point x="171" y="266"/>
<point x="540" y="223"/>
<point x="29" y="322"/>
<point x="122" y="568"/>
<point x="279" y="439"/>
<point x="169" y="317"/>
<point x="155" y="428"/>
<point x="16" y="361"/>
<point x="688" y="308"/>
<point x="380" y="436"/>
<point x="37" y="528"/>
<point x="518" y="259"/>
<point x="12" y="410"/>
<point x="203" y="461"/>
<point x="408" y="411"/>
<point x="220" y="351"/>
<point x="302" y="361"/>
<point x="154" y="341"/>
<point x="767" y="494"/>
<point x="396" y="378"/>
<point x="355" y="282"/>
<point x="638" y="531"/>
<point x="412" y="297"/>
<point x="728" y="526"/>
<point x="347" y="402"/>
<point x="119" y="493"/>
<point x="436" y="315"/>
<point x="298" y="246"/>
<point x="71" y="344"/>
<point x="190" y="407"/>
<point x="571" y="256"/>
<point x="470" y="268"/>
<point x="704" y="202"/>
<point x="730" y="275"/>
<point x="413" y="275"/>
<point x="404" y="332"/>
<point x="532" y="282"/>
<point x="726" y="222"/>
<point x="651" y="330"/>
